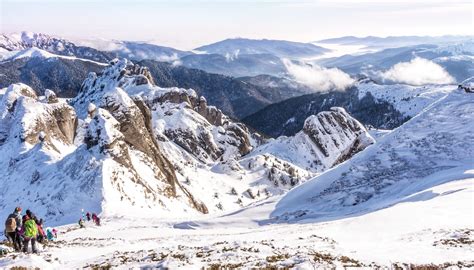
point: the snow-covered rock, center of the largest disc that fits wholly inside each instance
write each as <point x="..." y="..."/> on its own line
<point x="24" y="116"/>
<point x="467" y="85"/>
<point x="327" y="139"/>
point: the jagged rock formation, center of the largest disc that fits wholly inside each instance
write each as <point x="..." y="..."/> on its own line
<point x="467" y="85"/>
<point x="326" y="139"/>
<point x="25" y="117"/>
<point x="336" y="129"/>
<point x="180" y="108"/>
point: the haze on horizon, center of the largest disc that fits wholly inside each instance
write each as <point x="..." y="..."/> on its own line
<point x="186" y="24"/>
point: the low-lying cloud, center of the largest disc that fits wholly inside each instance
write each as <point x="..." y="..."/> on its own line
<point x="232" y="56"/>
<point x="317" y="77"/>
<point x="418" y="71"/>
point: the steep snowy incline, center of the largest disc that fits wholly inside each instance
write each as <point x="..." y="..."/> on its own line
<point x="408" y="100"/>
<point x="432" y="148"/>
<point x="328" y="138"/>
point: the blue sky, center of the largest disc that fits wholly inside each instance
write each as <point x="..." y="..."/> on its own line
<point x="187" y="24"/>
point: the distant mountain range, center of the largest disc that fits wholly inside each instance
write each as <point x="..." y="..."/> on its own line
<point x="134" y="50"/>
<point x="393" y="41"/>
<point x="456" y="59"/>
<point x="240" y="57"/>
<point x="59" y="46"/>
<point x="240" y="76"/>
<point x="279" y="48"/>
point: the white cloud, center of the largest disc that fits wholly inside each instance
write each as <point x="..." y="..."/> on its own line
<point x="418" y="71"/>
<point x="165" y="57"/>
<point x="317" y="77"/>
<point x="232" y="56"/>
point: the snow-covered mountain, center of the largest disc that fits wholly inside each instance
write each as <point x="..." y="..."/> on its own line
<point x="239" y="65"/>
<point x="431" y="149"/>
<point x="140" y="149"/>
<point x="25" y="40"/>
<point x="280" y="48"/>
<point x="242" y="57"/>
<point x="135" y="50"/>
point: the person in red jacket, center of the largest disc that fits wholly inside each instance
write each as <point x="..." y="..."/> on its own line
<point x="41" y="233"/>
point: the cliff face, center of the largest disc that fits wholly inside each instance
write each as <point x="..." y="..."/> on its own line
<point x="336" y="135"/>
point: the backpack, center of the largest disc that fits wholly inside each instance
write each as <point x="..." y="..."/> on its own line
<point x="31" y="230"/>
<point x="10" y="224"/>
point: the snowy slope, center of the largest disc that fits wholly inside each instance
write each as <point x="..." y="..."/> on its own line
<point x="430" y="149"/>
<point x="408" y="100"/>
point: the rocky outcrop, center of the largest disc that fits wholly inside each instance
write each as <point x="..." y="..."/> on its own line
<point x="467" y="85"/>
<point x="113" y="92"/>
<point x="50" y="96"/>
<point x="24" y="116"/>
<point x="202" y="130"/>
<point x="336" y="131"/>
<point x="326" y="139"/>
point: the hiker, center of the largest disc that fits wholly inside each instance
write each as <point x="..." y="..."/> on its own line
<point x="30" y="214"/>
<point x="12" y="226"/>
<point x="41" y="234"/>
<point x="55" y="233"/>
<point x="96" y="219"/>
<point x="81" y="223"/>
<point x="49" y="234"/>
<point x="29" y="231"/>
<point x="88" y="216"/>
